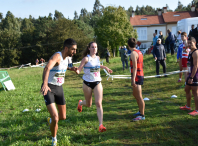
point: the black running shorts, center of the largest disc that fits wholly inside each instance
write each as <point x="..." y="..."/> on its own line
<point x="56" y="95"/>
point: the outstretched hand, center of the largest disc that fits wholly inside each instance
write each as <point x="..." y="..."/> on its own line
<point x="109" y="70"/>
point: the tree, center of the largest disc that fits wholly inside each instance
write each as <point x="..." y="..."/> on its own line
<point x="114" y="27"/>
<point x="97" y="9"/>
<point x="58" y="15"/>
<point x="9" y="39"/>
<point x="75" y="15"/>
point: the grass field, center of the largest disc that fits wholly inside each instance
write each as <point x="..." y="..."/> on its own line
<point x="165" y="124"/>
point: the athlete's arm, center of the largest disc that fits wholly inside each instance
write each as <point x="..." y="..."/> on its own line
<point x="104" y="67"/>
<point x="195" y="66"/>
<point x="134" y="57"/>
<point x="55" y="59"/>
<point x="82" y="64"/>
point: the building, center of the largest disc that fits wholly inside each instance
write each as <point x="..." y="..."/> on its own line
<point x="146" y="25"/>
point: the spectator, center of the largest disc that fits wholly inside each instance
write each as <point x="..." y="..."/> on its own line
<point x="161" y="37"/>
<point x="160" y="56"/>
<point x="129" y="54"/>
<point x="191" y="32"/>
<point x="137" y="47"/>
<point x="124" y="59"/>
<point x="196" y="35"/>
<point x="154" y="39"/>
<point x="42" y="61"/>
<point x="107" y="56"/>
<point x="37" y="61"/>
<point x="171" y="41"/>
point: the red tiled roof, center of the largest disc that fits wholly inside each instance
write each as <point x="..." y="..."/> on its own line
<point x="169" y="16"/>
<point x="151" y="19"/>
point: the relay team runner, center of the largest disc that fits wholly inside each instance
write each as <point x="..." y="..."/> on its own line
<point x="53" y="78"/>
<point x="137" y="77"/>
<point x="182" y="53"/>
<point x="192" y="79"/>
<point x="92" y="81"/>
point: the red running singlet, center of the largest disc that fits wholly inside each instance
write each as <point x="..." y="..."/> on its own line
<point x="140" y="74"/>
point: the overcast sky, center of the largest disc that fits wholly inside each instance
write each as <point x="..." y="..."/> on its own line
<point x="36" y="8"/>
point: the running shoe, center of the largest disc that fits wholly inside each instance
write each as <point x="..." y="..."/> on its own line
<point x="193" y="113"/>
<point x="138" y="118"/>
<point x="185" y="108"/>
<point x="54" y="143"/>
<point x="137" y="114"/>
<point x="102" y="128"/>
<point x="183" y="86"/>
<point x="179" y="81"/>
<point x="49" y="121"/>
<point x="79" y="108"/>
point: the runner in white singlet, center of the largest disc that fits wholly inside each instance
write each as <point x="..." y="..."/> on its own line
<point x="53" y="78"/>
<point x="92" y="81"/>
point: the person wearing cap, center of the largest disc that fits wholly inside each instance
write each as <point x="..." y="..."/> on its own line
<point x="160" y="56"/>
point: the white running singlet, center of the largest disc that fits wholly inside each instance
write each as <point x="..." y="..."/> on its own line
<point x="92" y="70"/>
<point x="57" y="73"/>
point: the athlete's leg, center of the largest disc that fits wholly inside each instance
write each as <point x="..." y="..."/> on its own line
<point x="98" y="94"/>
<point x="62" y="111"/>
<point x="54" y="116"/>
<point x="188" y="95"/>
<point x="88" y="96"/>
<point x="137" y="92"/>
<point x="195" y="94"/>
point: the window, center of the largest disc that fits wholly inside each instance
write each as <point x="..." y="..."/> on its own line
<point x="176" y="15"/>
<point x="143" y="45"/>
<point x="143" y="18"/>
<point x="142" y="33"/>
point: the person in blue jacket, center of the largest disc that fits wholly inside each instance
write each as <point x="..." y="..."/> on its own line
<point x="154" y="39"/>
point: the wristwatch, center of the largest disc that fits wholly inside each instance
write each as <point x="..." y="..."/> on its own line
<point x="190" y="77"/>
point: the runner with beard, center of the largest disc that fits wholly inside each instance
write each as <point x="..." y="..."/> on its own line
<point x="53" y="78"/>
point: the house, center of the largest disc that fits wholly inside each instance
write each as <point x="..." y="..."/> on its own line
<point x="146" y="25"/>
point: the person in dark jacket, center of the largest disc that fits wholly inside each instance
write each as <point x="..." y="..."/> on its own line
<point x="161" y="37"/>
<point x="107" y="56"/>
<point x="171" y="41"/>
<point x="160" y="56"/>
<point x="196" y="35"/>
<point x="191" y="32"/>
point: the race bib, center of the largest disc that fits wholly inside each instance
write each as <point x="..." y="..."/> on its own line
<point x="94" y="73"/>
<point x="58" y="79"/>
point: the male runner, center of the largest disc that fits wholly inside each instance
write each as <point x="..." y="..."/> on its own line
<point x="137" y="77"/>
<point x="53" y="78"/>
<point x="192" y="79"/>
<point x="183" y="52"/>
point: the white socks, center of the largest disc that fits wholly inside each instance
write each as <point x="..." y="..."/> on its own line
<point x="54" y="139"/>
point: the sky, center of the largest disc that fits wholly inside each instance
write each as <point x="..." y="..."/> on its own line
<point x="36" y="8"/>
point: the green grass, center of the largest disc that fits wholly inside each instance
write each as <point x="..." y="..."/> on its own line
<point x="165" y="124"/>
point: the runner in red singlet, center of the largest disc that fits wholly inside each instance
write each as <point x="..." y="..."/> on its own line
<point x="137" y="77"/>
